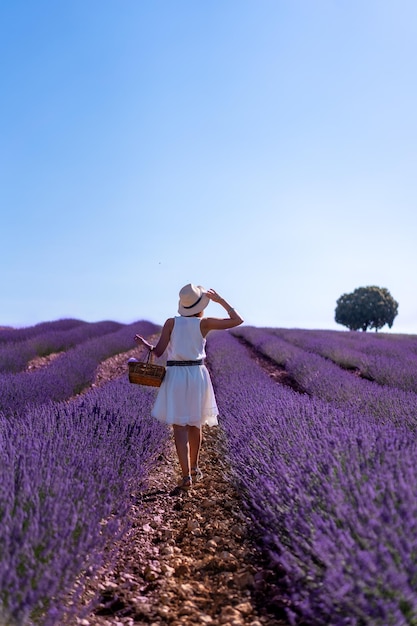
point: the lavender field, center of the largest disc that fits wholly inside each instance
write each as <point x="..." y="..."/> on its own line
<point x="327" y="474"/>
<point x="68" y="470"/>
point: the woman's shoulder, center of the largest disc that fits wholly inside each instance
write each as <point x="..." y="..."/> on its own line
<point x="169" y="323"/>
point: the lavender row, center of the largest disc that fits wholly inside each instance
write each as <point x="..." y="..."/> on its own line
<point x="323" y="379"/>
<point x="69" y="373"/>
<point x="67" y="474"/>
<point x="369" y="343"/>
<point x="22" y="334"/>
<point x="388" y="359"/>
<point x="331" y="495"/>
<point x="14" y="356"/>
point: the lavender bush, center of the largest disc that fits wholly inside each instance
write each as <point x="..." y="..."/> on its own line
<point x="14" y="356"/>
<point x="67" y="475"/>
<point x="321" y="378"/>
<point x="388" y="359"/>
<point x="22" y="334"/>
<point x="331" y="495"/>
<point x="69" y="373"/>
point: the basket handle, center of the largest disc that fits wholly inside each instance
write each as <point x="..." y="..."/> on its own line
<point x="150" y="357"/>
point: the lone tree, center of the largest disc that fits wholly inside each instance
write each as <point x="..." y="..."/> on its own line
<point x="366" y="307"/>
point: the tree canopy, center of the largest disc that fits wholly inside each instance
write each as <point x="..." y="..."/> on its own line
<point x="366" y="307"/>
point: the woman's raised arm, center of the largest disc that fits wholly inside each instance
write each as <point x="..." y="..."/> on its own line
<point x="215" y="323"/>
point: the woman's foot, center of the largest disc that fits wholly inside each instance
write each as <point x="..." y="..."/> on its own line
<point x="196" y="474"/>
<point x="185" y="482"/>
<point x="183" y="486"/>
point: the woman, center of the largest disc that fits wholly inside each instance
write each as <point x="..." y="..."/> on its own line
<point x="186" y="398"/>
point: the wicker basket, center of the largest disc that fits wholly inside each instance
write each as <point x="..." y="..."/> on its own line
<point x="146" y="373"/>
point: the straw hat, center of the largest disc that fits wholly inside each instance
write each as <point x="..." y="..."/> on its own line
<point x="193" y="299"/>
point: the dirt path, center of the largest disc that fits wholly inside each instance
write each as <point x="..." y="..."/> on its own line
<point x="188" y="559"/>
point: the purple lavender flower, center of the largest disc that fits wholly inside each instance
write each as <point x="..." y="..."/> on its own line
<point x="330" y="490"/>
<point x="67" y="474"/>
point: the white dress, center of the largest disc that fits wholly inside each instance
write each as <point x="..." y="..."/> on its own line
<point x="186" y="395"/>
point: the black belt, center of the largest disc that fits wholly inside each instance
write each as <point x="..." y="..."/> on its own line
<point x="199" y="362"/>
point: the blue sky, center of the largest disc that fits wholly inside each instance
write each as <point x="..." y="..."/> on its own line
<point x="264" y="148"/>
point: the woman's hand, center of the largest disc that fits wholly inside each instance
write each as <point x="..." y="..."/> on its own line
<point x="214" y="296"/>
<point x="233" y="314"/>
<point x="143" y="342"/>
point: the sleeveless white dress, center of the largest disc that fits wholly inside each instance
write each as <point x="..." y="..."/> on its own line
<point x="186" y="395"/>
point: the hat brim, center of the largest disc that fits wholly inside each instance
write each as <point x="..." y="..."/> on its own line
<point x="200" y="306"/>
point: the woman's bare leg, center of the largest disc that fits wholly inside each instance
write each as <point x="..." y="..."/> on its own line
<point x="194" y="438"/>
<point x="182" y="447"/>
